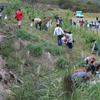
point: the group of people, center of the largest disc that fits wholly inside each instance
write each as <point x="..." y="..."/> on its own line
<point x="37" y="22"/>
<point x="86" y="24"/>
<point x="91" y="70"/>
<point x="64" y="37"/>
<point x="81" y="76"/>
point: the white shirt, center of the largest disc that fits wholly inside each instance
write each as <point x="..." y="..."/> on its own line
<point x="58" y="31"/>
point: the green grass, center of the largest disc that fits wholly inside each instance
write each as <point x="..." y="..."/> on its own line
<point x="36" y="49"/>
<point x="48" y="83"/>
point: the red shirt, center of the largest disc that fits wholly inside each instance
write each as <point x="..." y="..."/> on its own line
<point x="47" y="19"/>
<point x="79" y="70"/>
<point x="18" y="15"/>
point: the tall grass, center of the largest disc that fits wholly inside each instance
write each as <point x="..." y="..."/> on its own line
<point x="48" y="84"/>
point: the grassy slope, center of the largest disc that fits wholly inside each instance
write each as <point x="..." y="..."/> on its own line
<point x="48" y="80"/>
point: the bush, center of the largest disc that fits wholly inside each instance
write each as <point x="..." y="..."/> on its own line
<point x="53" y="49"/>
<point x="21" y="33"/>
<point x="6" y="49"/>
<point x="12" y="6"/>
<point x="36" y="49"/>
<point x="61" y="62"/>
<point x="12" y="62"/>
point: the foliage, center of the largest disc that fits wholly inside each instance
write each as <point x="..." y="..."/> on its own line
<point x="6" y="49"/>
<point x="47" y="85"/>
<point x="21" y="33"/>
<point x="61" y="62"/>
<point x="53" y="49"/>
<point x="36" y="49"/>
<point x="12" y="6"/>
<point x="79" y="5"/>
<point x="12" y="62"/>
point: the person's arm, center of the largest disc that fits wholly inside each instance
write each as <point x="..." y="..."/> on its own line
<point x="54" y="31"/>
<point x="21" y="14"/>
<point x="62" y="31"/>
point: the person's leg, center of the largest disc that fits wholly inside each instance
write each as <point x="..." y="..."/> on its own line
<point x="36" y="25"/>
<point x="46" y="28"/>
<point x="59" y="40"/>
<point x="40" y="23"/>
<point x="97" y="53"/>
<point x="19" y="24"/>
<point x="70" y="45"/>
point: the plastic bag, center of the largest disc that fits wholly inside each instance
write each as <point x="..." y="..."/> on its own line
<point x="31" y="24"/>
<point x="6" y="17"/>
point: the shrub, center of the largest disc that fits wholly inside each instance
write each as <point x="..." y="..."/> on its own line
<point x="6" y="48"/>
<point x="36" y="49"/>
<point x="12" y="6"/>
<point x="61" y="62"/>
<point x="35" y="38"/>
<point x="53" y="49"/>
<point x="21" y="33"/>
<point x="12" y="62"/>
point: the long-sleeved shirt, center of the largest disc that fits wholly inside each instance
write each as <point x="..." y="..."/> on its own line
<point x="70" y="38"/>
<point x="58" y="31"/>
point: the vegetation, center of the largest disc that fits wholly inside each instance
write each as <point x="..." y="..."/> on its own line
<point x="41" y="82"/>
<point x="85" y="6"/>
<point x="74" y="5"/>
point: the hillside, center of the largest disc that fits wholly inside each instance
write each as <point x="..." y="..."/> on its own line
<point x="37" y="65"/>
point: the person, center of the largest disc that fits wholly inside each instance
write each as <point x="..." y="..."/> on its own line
<point x="70" y="40"/>
<point x="96" y="18"/>
<point x="57" y="18"/>
<point x="86" y="24"/>
<point x="37" y="22"/>
<point x="19" y="17"/>
<point x="60" y="21"/>
<point x="95" y="47"/>
<point x="58" y="30"/>
<point x="48" y="23"/>
<point x="81" y="76"/>
<point x="1" y="11"/>
<point x="77" y="78"/>
<point x="90" y="59"/>
<point x="95" y="67"/>
<point x="65" y="38"/>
